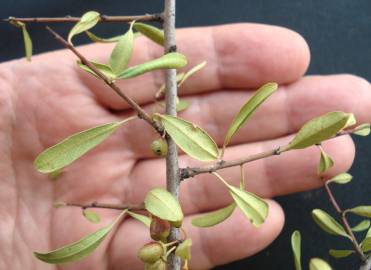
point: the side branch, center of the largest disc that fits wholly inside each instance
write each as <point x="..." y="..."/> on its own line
<point x="103" y="19"/>
<point x="222" y="164"/>
<point x="132" y="207"/>
<point x="140" y="112"/>
<point x="345" y="223"/>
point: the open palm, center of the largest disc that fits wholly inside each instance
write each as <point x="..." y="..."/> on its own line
<point x="45" y="101"/>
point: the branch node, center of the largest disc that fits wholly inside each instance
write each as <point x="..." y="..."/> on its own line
<point x="172" y="48"/>
<point x="277" y="151"/>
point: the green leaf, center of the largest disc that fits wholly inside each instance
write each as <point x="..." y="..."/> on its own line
<point x="184" y="249"/>
<point x="73" y="147"/>
<point x="105" y="69"/>
<point x="192" y="71"/>
<point x="163" y="204"/>
<point x="90" y="215"/>
<point x="340" y="253"/>
<point x="362" y="210"/>
<point x="254" y="208"/>
<point x="122" y="52"/>
<point x="168" y="61"/>
<point x="215" y="217"/>
<point x="366" y="244"/>
<point x="95" y="38"/>
<point x="80" y="249"/>
<point x="182" y="105"/>
<point x="151" y="32"/>
<point x="342" y="178"/>
<point x="296" y="249"/>
<point x="249" y="108"/>
<point x="368" y="234"/>
<point x="319" y="264"/>
<point x="27" y="42"/>
<point x="26" y="36"/>
<point x="142" y="218"/>
<point x="325" y="162"/>
<point x="193" y="140"/>
<point x="351" y="121"/>
<point x="362" y="226"/>
<point x="328" y="223"/>
<point x="362" y="130"/>
<point x="87" y="21"/>
<point x="319" y="129"/>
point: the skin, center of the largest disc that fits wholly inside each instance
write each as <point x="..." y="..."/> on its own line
<point x="45" y="101"/>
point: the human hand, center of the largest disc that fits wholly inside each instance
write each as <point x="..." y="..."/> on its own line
<point x="45" y="101"/>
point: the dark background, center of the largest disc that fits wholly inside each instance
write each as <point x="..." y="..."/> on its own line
<point x="339" y="35"/>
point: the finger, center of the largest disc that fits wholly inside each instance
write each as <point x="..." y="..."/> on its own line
<point x="283" y="113"/>
<point x="238" y="56"/>
<point x="211" y="246"/>
<point x="277" y="175"/>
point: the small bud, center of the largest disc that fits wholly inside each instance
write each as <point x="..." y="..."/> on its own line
<point x="151" y="252"/>
<point x="158" y="265"/>
<point x="159" y="147"/>
<point x="159" y="229"/>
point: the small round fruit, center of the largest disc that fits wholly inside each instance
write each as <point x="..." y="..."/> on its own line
<point x="151" y="252"/>
<point x="159" y="147"/>
<point x="159" y="229"/>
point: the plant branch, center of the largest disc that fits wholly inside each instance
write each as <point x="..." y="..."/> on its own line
<point x="133" y="207"/>
<point x="366" y="265"/>
<point x="172" y="166"/>
<point x="345" y="222"/>
<point x="103" y="19"/>
<point x="222" y="164"/>
<point x="140" y="112"/>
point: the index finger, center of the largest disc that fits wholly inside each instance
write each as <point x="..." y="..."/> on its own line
<point x="238" y="56"/>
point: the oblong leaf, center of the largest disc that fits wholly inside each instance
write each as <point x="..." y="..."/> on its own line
<point x="73" y="147"/>
<point x="325" y="162"/>
<point x="151" y="32"/>
<point x="328" y="223"/>
<point x="168" y="61"/>
<point x="215" y="217"/>
<point x="193" y="140"/>
<point x="362" y="226"/>
<point x="362" y="130"/>
<point x="342" y="178"/>
<point x="87" y="21"/>
<point x="162" y="204"/>
<point x="254" y="208"/>
<point x="296" y="249"/>
<point x="319" y="264"/>
<point x="319" y="129"/>
<point x="27" y="42"/>
<point x="366" y="244"/>
<point x="90" y="215"/>
<point x="142" y="218"/>
<point x="79" y="249"/>
<point x="122" y="52"/>
<point x="340" y="253"/>
<point x="249" y="108"/>
<point x="105" y="69"/>
<point x="184" y="249"/>
<point x="362" y="210"/>
<point x="95" y="38"/>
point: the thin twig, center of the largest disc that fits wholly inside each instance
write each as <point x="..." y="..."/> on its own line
<point x="141" y="113"/>
<point x="133" y="207"/>
<point x="345" y="223"/>
<point x="103" y="19"/>
<point x="172" y="166"/>
<point x="222" y="164"/>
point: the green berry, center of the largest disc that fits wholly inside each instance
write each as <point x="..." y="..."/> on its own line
<point x="159" y="147"/>
<point x="151" y="252"/>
